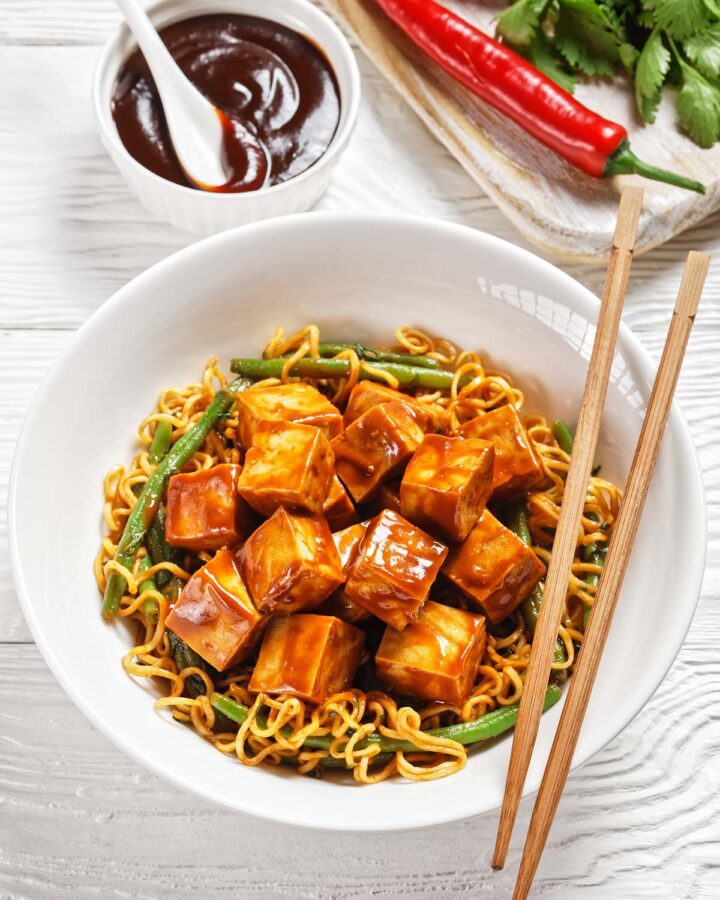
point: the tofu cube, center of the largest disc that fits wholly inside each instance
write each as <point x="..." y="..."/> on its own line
<point x="375" y="448"/>
<point x="294" y="402"/>
<point x="204" y="510"/>
<point x="395" y="568"/>
<point x="447" y="483"/>
<point x="338" y="508"/>
<point x="291" y="563"/>
<point x="494" y="568"/>
<point x="434" y="658"/>
<point x="288" y="465"/>
<point x="338" y="604"/>
<point x="307" y="656"/>
<point x="388" y="497"/>
<point x="517" y="467"/>
<point x="215" y="615"/>
<point x="367" y="394"/>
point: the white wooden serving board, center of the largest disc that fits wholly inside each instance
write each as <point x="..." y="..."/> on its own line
<point x="561" y="210"/>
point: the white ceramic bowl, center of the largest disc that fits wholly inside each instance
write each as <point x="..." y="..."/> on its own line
<point x="204" y="212"/>
<point x="358" y="278"/>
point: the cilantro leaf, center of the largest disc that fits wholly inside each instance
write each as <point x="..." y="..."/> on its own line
<point x="543" y="57"/>
<point x="714" y="7"/>
<point x="698" y="106"/>
<point x="628" y="56"/>
<point x="652" y="67"/>
<point x="583" y="37"/>
<point x="518" y="24"/>
<point x="703" y="49"/>
<point x="680" y="18"/>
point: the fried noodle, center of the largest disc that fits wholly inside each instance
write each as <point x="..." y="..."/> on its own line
<point x="283" y="730"/>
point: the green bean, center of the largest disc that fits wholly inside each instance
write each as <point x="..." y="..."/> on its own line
<point x="158" y="547"/>
<point x="563" y="435"/>
<point x="160" y="442"/>
<point x="143" y="513"/>
<point x="407" y="376"/>
<point x="486" y="727"/>
<point x="185" y="657"/>
<point x="594" y="553"/>
<point x="149" y="606"/>
<point x="530" y="607"/>
<point x="371" y="354"/>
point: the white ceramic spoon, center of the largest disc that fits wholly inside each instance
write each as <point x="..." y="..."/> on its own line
<point x="196" y="126"/>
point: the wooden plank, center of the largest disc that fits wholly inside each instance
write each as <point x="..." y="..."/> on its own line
<point x="81" y="819"/>
<point x="557" y="208"/>
<point x="36" y="22"/>
<point x="72" y="233"/>
<point x="25" y="357"/>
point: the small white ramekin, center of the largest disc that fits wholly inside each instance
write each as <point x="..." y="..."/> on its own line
<point x="203" y="212"/>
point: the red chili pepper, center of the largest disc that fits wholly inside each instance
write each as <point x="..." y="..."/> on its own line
<point x="514" y="86"/>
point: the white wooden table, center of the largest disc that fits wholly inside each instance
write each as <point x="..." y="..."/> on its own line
<point x="79" y="819"/>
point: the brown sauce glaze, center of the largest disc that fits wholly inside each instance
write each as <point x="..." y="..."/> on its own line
<point x="275" y="88"/>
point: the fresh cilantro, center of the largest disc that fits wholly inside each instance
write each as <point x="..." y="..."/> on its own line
<point x="583" y="37"/>
<point x="656" y="42"/>
<point x="652" y="67"/>
<point x="703" y="50"/>
<point x="519" y="23"/>
<point x="541" y="55"/>
<point x="698" y="106"/>
<point x="680" y="18"/>
<point x="628" y="56"/>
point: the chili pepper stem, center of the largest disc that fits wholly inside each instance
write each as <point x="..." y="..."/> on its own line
<point x="624" y="162"/>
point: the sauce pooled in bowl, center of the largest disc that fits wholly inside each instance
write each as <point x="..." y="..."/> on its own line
<point x="277" y="92"/>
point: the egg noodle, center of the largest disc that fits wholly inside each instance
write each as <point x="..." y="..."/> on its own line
<point x="276" y="728"/>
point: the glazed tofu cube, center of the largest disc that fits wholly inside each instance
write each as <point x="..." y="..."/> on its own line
<point x="296" y="402"/>
<point x="204" y="510"/>
<point x="290" y="563"/>
<point x="338" y="508"/>
<point x="375" y="448"/>
<point x="367" y="394"/>
<point x="215" y="615"/>
<point x="310" y="657"/>
<point x="288" y="465"/>
<point x="434" y="658"/>
<point x="494" y="568"/>
<point x="338" y="604"/>
<point x="388" y="497"/>
<point x="516" y="467"/>
<point x="395" y="569"/>
<point x="447" y="483"/>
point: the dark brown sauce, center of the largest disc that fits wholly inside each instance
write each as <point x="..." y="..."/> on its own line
<point x="277" y="92"/>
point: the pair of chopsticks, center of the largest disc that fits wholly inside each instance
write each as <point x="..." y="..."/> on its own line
<point x="568" y="526"/>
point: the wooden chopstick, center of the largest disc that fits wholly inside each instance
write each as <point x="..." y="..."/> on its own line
<point x="621" y="544"/>
<point x="563" y="550"/>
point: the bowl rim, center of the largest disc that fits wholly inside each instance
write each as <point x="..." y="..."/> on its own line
<point x="437" y="815"/>
<point x="338" y="142"/>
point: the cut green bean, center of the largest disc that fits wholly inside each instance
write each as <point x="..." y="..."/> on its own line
<point x="160" y="442"/>
<point x="486" y="727"/>
<point x="149" y="606"/>
<point x="140" y="519"/>
<point x="407" y="376"/>
<point x="185" y="657"/>
<point x="372" y="354"/>
<point x="563" y="435"/>
<point x="594" y="553"/>
<point x="158" y="547"/>
<point x="530" y="607"/>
